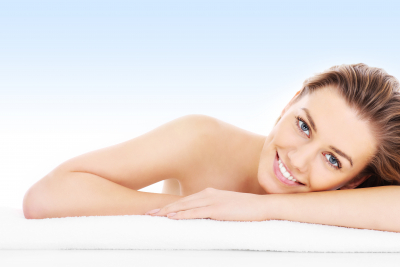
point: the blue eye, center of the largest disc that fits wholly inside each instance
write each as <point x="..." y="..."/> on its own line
<point x="332" y="160"/>
<point x="304" y="127"/>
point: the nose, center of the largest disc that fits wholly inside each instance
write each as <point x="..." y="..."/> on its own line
<point x="300" y="158"/>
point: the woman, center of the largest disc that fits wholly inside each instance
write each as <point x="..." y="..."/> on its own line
<point x="341" y="131"/>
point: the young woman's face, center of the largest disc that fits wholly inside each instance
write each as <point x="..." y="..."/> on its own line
<point x="319" y="141"/>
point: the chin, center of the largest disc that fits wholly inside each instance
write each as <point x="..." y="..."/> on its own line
<point x="265" y="183"/>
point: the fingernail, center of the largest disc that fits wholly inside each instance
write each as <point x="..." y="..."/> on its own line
<point x="152" y="211"/>
<point x="171" y="214"/>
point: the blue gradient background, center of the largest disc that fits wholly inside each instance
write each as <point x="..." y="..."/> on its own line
<point x="76" y="76"/>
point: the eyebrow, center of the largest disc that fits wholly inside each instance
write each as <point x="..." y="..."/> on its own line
<point x="312" y="124"/>
<point x="341" y="153"/>
<point x="310" y="119"/>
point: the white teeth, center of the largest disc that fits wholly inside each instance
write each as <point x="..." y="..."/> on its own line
<point x="284" y="172"/>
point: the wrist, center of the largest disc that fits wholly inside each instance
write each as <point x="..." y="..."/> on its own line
<point x="274" y="206"/>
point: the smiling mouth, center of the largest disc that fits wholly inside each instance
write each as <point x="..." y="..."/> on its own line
<point x="283" y="174"/>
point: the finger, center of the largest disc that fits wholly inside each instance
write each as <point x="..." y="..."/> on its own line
<point x="197" y="213"/>
<point x="179" y="203"/>
<point x="172" y="206"/>
<point x="185" y="205"/>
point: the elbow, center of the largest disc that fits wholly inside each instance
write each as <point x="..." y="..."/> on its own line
<point x="27" y="205"/>
<point x="33" y="203"/>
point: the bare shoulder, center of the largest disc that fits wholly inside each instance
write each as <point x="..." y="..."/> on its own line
<point x="223" y="157"/>
<point x="211" y="132"/>
<point x="217" y="145"/>
<point x="205" y="128"/>
<point x="162" y="153"/>
<point x="202" y="129"/>
<point x="189" y="146"/>
<point x="201" y="123"/>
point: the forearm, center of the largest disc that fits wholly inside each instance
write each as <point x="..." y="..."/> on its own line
<point x="374" y="208"/>
<point x="73" y="194"/>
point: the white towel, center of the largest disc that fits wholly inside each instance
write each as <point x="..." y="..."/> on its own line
<point x="161" y="233"/>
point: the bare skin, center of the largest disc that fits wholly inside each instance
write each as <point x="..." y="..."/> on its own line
<point x="306" y="154"/>
<point x="241" y="161"/>
<point x="324" y="150"/>
<point x="231" y="165"/>
<point x="198" y="152"/>
<point x="171" y="187"/>
<point x="194" y="151"/>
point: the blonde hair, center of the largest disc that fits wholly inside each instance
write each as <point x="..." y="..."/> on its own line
<point x="375" y="95"/>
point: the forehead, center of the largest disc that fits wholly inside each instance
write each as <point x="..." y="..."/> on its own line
<point x="338" y="125"/>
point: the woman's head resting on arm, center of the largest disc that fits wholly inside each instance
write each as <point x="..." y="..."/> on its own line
<point x="340" y="131"/>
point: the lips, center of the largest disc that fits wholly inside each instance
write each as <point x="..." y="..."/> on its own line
<point x="280" y="176"/>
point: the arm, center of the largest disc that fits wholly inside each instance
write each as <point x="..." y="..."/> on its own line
<point x="374" y="208"/>
<point x="106" y="181"/>
<point x="69" y="194"/>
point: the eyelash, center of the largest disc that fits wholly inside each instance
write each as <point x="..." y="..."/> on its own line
<point x="298" y="119"/>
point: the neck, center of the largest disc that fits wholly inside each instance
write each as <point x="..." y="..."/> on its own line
<point x="253" y="163"/>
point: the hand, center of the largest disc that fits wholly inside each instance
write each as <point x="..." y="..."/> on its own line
<point x="217" y="204"/>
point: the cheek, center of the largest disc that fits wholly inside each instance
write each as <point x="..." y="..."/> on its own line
<point x="286" y="135"/>
<point x="322" y="179"/>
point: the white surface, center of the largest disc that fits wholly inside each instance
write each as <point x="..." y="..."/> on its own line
<point x="161" y="233"/>
<point x="120" y="258"/>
